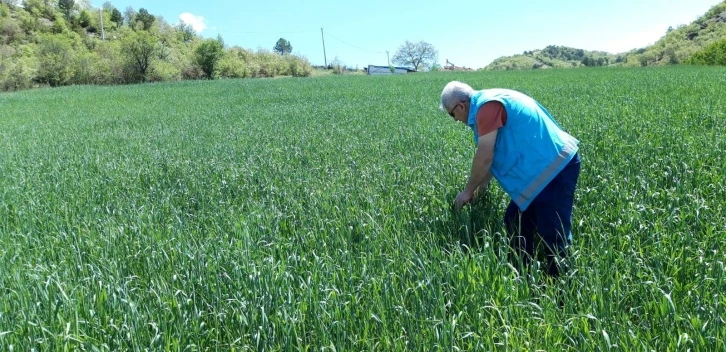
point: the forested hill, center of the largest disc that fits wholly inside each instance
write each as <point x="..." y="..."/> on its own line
<point x="64" y="42"/>
<point x="701" y="42"/>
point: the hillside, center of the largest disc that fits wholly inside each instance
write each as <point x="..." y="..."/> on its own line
<point x="676" y="46"/>
<point x="67" y="42"/>
<point x="553" y="57"/>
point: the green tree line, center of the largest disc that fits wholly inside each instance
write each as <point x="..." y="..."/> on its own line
<point x="694" y="43"/>
<point x="66" y="42"/>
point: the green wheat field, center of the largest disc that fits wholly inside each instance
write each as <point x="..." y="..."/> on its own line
<point x="314" y="214"/>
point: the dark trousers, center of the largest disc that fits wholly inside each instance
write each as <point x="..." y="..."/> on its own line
<point x="549" y="216"/>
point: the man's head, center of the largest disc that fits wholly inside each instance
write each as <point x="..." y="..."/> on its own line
<point x="455" y="99"/>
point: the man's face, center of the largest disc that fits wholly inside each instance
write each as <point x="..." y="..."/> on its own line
<point x="458" y="112"/>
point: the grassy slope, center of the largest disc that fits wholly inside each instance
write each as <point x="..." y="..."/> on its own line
<point x="542" y="59"/>
<point x="217" y="214"/>
<point x="674" y="47"/>
<point x="682" y="42"/>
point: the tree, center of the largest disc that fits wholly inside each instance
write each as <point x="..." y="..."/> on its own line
<point x="117" y="17"/>
<point x="129" y="15"/>
<point x="186" y="31"/>
<point x="66" y="6"/>
<point x="283" y="46"/>
<point x="417" y="55"/>
<point x="208" y="54"/>
<point x="107" y="6"/>
<point x="140" y="48"/>
<point x="55" y="58"/>
<point x="84" y="19"/>
<point x="146" y="18"/>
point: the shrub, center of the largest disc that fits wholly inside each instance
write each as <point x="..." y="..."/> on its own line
<point x="207" y="55"/>
<point x="55" y="61"/>
<point x="299" y="66"/>
<point x="17" y="74"/>
<point x="232" y="66"/>
<point x="164" y="71"/>
<point x="10" y="31"/>
<point x="714" y="54"/>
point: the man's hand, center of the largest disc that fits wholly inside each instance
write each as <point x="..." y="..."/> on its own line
<point x="462" y="198"/>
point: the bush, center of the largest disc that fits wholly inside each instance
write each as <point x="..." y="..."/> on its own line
<point x="232" y="66"/>
<point x="110" y="63"/>
<point x="4" y="10"/>
<point x="161" y="71"/>
<point x="86" y="68"/>
<point x="10" y="31"/>
<point x="55" y="61"/>
<point x="269" y="64"/>
<point x="298" y="66"/>
<point x="207" y="56"/>
<point x="17" y="74"/>
<point x="714" y="54"/>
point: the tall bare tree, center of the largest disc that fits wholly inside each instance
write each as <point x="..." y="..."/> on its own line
<point x="418" y="55"/>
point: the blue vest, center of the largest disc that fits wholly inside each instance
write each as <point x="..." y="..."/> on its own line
<point x="531" y="148"/>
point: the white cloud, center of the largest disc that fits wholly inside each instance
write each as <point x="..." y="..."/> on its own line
<point x="197" y="22"/>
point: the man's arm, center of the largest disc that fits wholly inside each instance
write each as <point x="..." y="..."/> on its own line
<point x="483" y="186"/>
<point x="480" y="168"/>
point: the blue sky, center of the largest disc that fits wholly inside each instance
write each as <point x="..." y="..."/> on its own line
<point x="468" y="33"/>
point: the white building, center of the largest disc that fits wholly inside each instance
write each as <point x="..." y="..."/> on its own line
<point x="386" y="70"/>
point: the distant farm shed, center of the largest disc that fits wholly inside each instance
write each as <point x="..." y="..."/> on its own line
<point x="386" y="70"/>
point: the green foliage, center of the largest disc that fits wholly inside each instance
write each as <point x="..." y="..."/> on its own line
<point x="59" y="25"/>
<point x="140" y="49"/>
<point x="232" y="66"/>
<point x="679" y="44"/>
<point x="84" y="19"/>
<point x="262" y="215"/>
<point x="298" y="66"/>
<point x="145" y="18"/>
<point x="51" y="49"/>
<point x="39" y="8"/>
<point x="55" y="60"/>
<point x="185" y="31"/>
<point x="10" y="31"/>
<point x="517" y="62"/>
<point x="17" y="74"/>
<point x="4" y="10"/>
<point x="676" y="46"/>
<point x="117" y="17"/>
<point x="161" y="71"/>
<point x="86" y="67"/>
<point x="66" y="6"/>
<point x="207" y="56"/>
<point x="111" y="63"/>
<point x="714" y="54"/>
<point x="552" y="57"/>
<point x="283" y="46"/>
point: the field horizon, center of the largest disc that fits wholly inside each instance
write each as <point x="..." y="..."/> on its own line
<point x="314" y="214"/>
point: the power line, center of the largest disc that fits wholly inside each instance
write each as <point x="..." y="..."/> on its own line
<point x="357" y="47"/>
<point x="251" y="32"/>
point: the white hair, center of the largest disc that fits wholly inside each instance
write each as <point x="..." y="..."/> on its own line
<point x="453" y="93"/>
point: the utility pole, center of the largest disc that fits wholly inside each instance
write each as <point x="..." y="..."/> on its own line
<point x="389" y="59"/>
<point x="324" y="55"/>
<point x="100" y="13"/>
